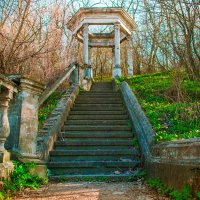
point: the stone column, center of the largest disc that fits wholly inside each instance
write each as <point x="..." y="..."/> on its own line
<point x="117" y="68"/>
<point x="5" y="97"/>
<point x="76" y="76"/>
<point x="88" y="70"/>
<point x="130" y="56"/>
<point x="86" y="44"/>
<point x="113" y="60"/>
<point x="29" y="95"/>
<point x="74" y="49"/>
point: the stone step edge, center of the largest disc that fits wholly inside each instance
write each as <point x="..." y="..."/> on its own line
<point x="93" y="152"/>
<point x="96" y="177"/>
<point x="93" y="164"/>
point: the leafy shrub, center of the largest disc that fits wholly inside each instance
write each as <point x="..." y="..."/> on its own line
<point x="184" y="194"/>
<point x="198" y="195"/>
<point x="20" y="179"/>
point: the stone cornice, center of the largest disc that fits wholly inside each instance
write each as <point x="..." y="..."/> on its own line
<point x="34" y="87"/>
<point x="101" y="12"/>
<point x="7" y="83"/>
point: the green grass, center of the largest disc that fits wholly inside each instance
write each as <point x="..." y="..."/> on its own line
<point x="48" y="106"/>
<point x="171" y="119"/>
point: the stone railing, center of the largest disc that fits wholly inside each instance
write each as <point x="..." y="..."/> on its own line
<point x="175" y="163"/>
<point x="19" y="123"/>
<point x="141" y="124"/>
<point x="72" y="71"/>
<point x="7" y="89"/>
<point x="52" y="126"/>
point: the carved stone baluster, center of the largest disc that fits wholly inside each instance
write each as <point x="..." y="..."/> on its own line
<point x="5" y="97"/>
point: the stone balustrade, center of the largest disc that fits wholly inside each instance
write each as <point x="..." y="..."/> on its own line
<point x="7" y="88"/>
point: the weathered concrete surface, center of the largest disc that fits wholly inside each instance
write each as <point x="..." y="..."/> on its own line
<point x="178" y="150"/>
<point x="176" y="163"/>
<point x="142" y="126"/>
<point x="23" y="116"/>
<point x="29" y="94"/>
<point x="6" y="169"/>
<point x="48" y="135"/>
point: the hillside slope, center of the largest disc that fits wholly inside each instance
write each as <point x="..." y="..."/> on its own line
<point x="171" y="103"/>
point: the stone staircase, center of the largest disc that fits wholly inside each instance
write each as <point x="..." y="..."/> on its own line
<point x="96" y="140"/>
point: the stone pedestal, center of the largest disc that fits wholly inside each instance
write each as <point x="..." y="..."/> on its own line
<point x="88" y="73"/>
<point x="30" y="91"/>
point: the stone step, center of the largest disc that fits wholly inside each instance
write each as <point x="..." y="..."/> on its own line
<point x="91" y="167"/>
<point x="96" y="139"/>
<point x="101" y="101"/>
<point x="95" y="128"/>
<point x="98" y="117"/>
<point x="97" y="122"/>
<point x="62" y="158"/>
<point x="101" y="90"/>
<point x="103" y="87"/>
<point x="93" y="112"/>
<point x="93" y="142"/>
<point x="96" y="134"/>
<point x="98" y="108"/>
<point x="99" y="105"/>
<point x="107" y="83"/>
<point x="91" y="148"/>
<point x="99" y="95"/>
<point x="127" y="176"/>
<point x="86" y="98"/>
<point x="93" y="155"/>
<point x="93" y="152"/>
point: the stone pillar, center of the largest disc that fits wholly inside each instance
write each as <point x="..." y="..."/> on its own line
<point x="5" y="97"/>
<point x="117" y="68"/>
<point x="30" y="91"/>
<point x="113" y="60"/>
<point x="130" y="56"/>
<point x="76" y="76"/>
<point x="88" y="70"/>
<point x="74" y="49"/>
<point x="86" y="44"/>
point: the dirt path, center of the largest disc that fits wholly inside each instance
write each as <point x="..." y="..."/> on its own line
<point x="91" y="191"/>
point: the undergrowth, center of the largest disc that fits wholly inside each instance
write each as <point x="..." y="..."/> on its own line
<point x="164" y="190"/>
<point x="174" y="113"/>
<point x="21" y="178"/>
<point x="48" y="106"/>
